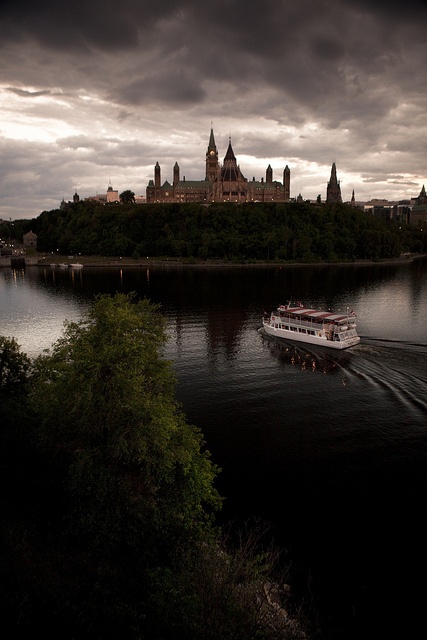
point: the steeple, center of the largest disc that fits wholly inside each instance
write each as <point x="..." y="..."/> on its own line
<point x="353" y="201"/>
<point x="287" y="183"/>
<point x="333" y="190"/>
<point x="422" y="198"/>
<point x="230" y="153"/>
<point x="212" y="164"/>
<point x="157" y="176"/>
<point x="212" y="145"/>
<point x="230" y="172"/>
<point x="175" y="174"/>
<point x="269" y="175"/>
<point x="333" y="182"/>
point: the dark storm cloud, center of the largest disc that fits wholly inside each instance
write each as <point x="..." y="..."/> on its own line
<point x="121" y="85"/>
<point x="174" y="86"/>
<point x="69" y="26"/>
<point x="312" y="50"/>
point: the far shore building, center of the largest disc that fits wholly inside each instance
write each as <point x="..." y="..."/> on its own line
<point x="223" y="183"/>
<point x="419" y="210"/>
<point x="333" y="189"/>
<point x="399" y="211"/>
<point x="29" y="239"/>
<point x="111" y="196"/>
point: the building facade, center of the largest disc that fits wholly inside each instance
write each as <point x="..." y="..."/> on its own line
<point x="223" y="183"/>
<point x="419" y="210"/>
<point x="29" y="239"/>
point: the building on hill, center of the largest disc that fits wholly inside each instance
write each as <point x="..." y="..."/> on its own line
<point x="112" y="194"/>
<point x="223" y="183"/>
<point x="110" y="197"/>
<point x="29" y="239"/>
<point x="419" y="210"/>
<point x="76" y="199"/>
<point x="333" y="190"/>
<point x="399" y="211"/>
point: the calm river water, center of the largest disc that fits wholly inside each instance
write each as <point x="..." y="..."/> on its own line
<point x="329" y="448"/>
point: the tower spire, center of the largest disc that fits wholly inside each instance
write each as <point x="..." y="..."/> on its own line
<point x="212" y="164"/>
<point x="211" y="144"/>
<point x="333" y="190"/>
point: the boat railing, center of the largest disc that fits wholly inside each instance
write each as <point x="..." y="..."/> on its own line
<point x="329" y="327"/>
<point x="309" y="323"/>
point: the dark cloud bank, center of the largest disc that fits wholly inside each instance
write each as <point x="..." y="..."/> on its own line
<point x="337" y="80"/>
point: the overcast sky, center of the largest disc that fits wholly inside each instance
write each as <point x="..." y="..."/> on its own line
<point x="95" y="92"/>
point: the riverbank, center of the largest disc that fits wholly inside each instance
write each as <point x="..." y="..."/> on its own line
<point x="100" y="261"/>
<point x="124" y="262"/>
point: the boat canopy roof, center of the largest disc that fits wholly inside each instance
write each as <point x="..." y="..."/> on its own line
<point x="315" y="314"/>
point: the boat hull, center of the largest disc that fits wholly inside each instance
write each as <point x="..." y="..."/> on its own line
<point x="320" y="341"/>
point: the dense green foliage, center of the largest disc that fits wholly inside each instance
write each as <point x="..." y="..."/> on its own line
<point x="136" y="469"/>
<point x="14" y="367"/>
<point x="247" y="232"/>
<point x="108" y="496"/>
<point x="127" y="197"/>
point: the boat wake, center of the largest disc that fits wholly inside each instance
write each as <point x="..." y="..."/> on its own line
<point x="393" y="369"/>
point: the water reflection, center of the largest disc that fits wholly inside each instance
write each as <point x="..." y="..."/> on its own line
<point x="302" y="356"/>
<point x="336" y="462"/>
<point x="33" y="311"/>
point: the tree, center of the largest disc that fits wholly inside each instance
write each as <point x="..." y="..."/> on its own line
<point x="111" y="532"/>
<point x="119" y="487"/>
<point x="15" y="370"/>
<point x="127" y="197"/>
<point x="14" y="366"/>
<point x="137" y="473"/>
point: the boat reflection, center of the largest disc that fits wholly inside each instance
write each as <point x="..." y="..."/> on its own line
<point x="312" y="359"/>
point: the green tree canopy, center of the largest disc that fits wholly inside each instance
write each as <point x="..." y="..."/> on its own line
<point x="105" y="397"/>
<point x="127" y="197"/>
<point x="109" y="531"/>
<point x="14" y="366"/>
<point x="232" y="232"/>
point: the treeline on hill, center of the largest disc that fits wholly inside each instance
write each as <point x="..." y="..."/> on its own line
<point x="247" y="232"/>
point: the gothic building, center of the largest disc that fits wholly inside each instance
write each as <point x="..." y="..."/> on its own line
<point x="223" y="183"/>
<point x="419" y="210"/>
<point x="333" y="190"/>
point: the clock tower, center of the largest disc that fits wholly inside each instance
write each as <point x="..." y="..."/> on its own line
<point x="212" y="165"/>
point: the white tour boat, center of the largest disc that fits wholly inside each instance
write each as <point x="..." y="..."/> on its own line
<point x="312" y="326"/>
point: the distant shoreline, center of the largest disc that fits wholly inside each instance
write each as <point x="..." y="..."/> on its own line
<point x="145" y="263"/>
<point x="98" y="262"/>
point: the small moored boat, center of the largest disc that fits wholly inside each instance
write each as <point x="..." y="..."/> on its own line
<point x="312" y="326"/>
<point x="76" y="265"/>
